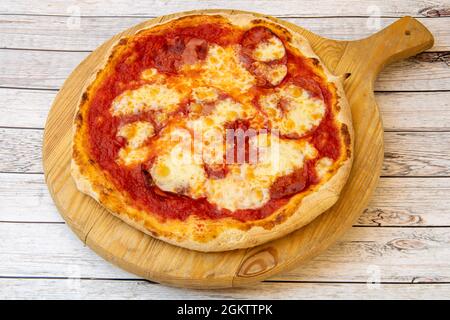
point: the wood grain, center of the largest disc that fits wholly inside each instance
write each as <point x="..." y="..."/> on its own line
<point x="397" y="201"/>
<point x="25" y="198"/>
<point x="409" y="202"/>
<point x="153" y="259"/>
<point x="49" y="69"/>
<point x="20" y="152"/>
<point x="24" y="108"/>
<point x="110" y="289"/>
<point x="29" y="108"/>
<point x="392" y="252"/>
<point x="280" y="8"/>
<point x="57" y="33"/>
<point x="417" y="154"/>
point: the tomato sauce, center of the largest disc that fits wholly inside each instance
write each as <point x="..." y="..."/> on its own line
<point x="162" y="51"/>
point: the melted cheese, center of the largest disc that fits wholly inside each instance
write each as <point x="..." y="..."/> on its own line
<point x="323" y="166"/>
<point x="152" y="75"/>
<point x="222" y="69"/>
<point x="136" y="134"/>
<point x="180" y="164"/>
<point x="177" y="170"/>
<point x="272" y="49"/>
<point x="154" y="97"/>
<point x="209" y="130"/>
<point x="211" y="149"/>
<point x="128" y="156"/>
<point x="205" y="94"/>
<point x="247" y="186"/>
<point x="299" y="114"/>
<point x="273" y="74"/>
<point x="235" y="192"/>
<point x="228" y="110"/>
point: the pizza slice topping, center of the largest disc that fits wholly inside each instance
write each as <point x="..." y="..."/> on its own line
<point x="292" y="110"/>
<point x="323" y="167"/>
<point x="244" y="185"/>
<point x="135" y="133"/>
<point x="269" y="50"/>
<point x="267" y="74"/>
<point x="149" y="97"/>
<point x="195" y="50"/>
<point x="264" y="55"/>
<point x="176" y="170"/>
<point x="223" y="122"/>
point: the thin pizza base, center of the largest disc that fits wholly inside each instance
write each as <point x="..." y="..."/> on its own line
<point x="226" y="233"/>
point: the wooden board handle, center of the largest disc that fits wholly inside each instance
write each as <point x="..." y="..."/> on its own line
<point x="402" y="39"/>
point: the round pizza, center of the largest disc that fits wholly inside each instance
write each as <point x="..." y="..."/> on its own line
<point x="213" y="132"/>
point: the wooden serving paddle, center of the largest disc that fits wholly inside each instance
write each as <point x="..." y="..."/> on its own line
<point x="359" y="61"/>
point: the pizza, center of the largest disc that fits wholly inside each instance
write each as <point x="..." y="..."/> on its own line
<point x="213" y="132"/>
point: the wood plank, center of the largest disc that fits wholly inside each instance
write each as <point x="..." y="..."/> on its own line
<point x="396" y="202"/>
<point x="25" y="197"/>
<point x="21" y="150"/>
<point x="24" y="108"/>
<point x="416" y="154"/>
<point x="274" y="7"/>
<point x="399" y="110"/>
<point x="395" y="254"/>
<point x="406" y="153"/>
<point x="130" y="290"/>
<point x="426" y="71"/>
<point x="57" y="32"/>
<point x="387" y="252"/>
<point x="414" y="111"/>
<point x="409" y="202"/>
<point x="37" y="69"/>
<point x="49" y="69"/>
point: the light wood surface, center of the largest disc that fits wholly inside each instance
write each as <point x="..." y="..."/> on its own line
<point x="39" y="32"/>
<point x="426" y="71"/>
<point x="158" y="261"/>
<point x="418" y="203"/>
<point x="305" y="8"/>
<point x="392" y="251"/>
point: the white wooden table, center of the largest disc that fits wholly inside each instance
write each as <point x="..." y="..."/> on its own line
<point x="399" y="248"/>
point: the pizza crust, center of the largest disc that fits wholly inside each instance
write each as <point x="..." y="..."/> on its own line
<point x="227" y="233"/>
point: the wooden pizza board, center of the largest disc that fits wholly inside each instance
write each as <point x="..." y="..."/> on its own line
<point x="360" y="61"/>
